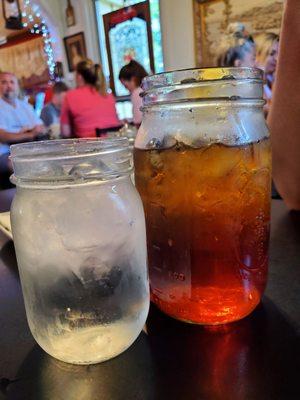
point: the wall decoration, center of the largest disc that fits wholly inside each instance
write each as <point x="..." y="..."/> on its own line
<point x="70" y="15"/>
<point x="11" y="10"/>
<point x="75" y="49"/>
<point x="211" y="18"/>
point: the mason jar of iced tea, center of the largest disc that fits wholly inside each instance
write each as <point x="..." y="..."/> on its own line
<point x="203" y="170"/>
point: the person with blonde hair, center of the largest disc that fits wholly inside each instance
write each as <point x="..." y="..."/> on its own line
<point x="267" y="46"/>
<point x="90" y="107"/>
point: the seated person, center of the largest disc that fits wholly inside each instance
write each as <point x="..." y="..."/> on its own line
<point x="267" y="46"/>
<point x="51" y="112"/>
<point x="89" y="107"/>
<point x="18" y="121"/>
<point x="239" y="52"/>
<point x="131" y="76"/>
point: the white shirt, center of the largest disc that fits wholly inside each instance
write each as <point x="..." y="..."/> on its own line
<point x="15" y="118"/>
<point x="137" y="103"/>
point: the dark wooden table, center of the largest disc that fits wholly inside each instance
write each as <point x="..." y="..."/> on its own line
<point x="257" y="358"/>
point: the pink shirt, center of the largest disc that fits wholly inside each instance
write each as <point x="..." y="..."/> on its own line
<point x="84" y="109"/>
<point x="137" y="102"/>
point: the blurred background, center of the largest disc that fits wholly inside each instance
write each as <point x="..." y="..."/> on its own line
<point x="43" y="42"/>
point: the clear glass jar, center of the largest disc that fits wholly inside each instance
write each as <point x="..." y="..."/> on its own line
<point x="203" y="170"/>
<point x="79" y="233"/>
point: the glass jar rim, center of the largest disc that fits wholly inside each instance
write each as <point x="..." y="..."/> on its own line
<point x="223" y="84"/>
<point x="66" y="148"/>
<point x="198" y="75"/>
<point x="71" y="161"/>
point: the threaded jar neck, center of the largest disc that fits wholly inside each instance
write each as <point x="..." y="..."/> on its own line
<point x="70" y="161"/>
<point x="204" y="84"/>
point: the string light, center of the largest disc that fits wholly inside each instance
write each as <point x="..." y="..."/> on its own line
<point x="30" y="14"/>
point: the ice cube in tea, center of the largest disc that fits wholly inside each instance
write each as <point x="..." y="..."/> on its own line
<point x="207" y="214"/>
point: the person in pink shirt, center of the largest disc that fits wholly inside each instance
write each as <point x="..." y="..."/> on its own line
<point x="89" y="107"/>
<point x="131" y="76"/>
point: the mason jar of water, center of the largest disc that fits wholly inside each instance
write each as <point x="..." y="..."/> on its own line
<point x="79" y="233"/>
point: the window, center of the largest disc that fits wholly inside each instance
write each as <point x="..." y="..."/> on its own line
<point x="129" y="31"/>
<point x="127" y="40"/>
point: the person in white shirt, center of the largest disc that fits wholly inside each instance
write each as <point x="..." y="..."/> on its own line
<point x="18" y="122"/>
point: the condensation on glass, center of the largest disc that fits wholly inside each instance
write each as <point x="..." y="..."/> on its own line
<point x="202" y="162"/>
<point x="79" y="233"/>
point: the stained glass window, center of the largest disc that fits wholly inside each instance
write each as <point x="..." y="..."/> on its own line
<point x="128" y="40"/>
<point x="123" y="39"/>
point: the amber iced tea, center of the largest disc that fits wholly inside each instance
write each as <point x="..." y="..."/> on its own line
<point x="207" y="214"/>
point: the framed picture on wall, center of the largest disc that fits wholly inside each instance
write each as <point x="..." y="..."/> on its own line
<point x="75" y="49"/>
<point x="213" y="17"/>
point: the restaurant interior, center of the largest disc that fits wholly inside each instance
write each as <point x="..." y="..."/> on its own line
<point x="149" y="199"/>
